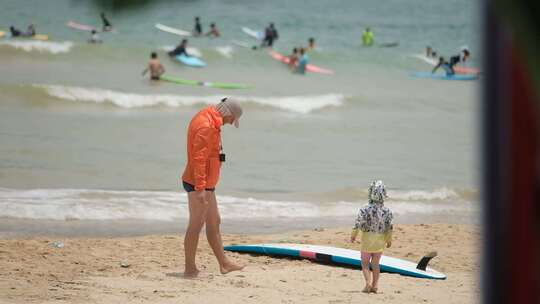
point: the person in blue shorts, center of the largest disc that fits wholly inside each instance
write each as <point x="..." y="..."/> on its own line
<point x="302" y="62"/>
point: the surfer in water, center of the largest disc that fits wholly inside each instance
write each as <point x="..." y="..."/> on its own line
<point x="293" y="59"/>
<point x="374" y="220"/>
<point x="155" y="67"/>
<point x="107" y="26"/>
<point x="302" y="62"/>
<point x="367" y="37"/>
<point x="270" y="35"/>
<point x="463" y="56"/>
<point x="30" y="31"/>
<point x="180" y="49"/>
<point x="200" y="178"/>
<point x="214" y="32"/>
<point x="311" y="44"/>
<point x="94" y="38"/>
<point x="197" y="30"/>
<point x="449" y="66"/>
<point x="15" y="32"/>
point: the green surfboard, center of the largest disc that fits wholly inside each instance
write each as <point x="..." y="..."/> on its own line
<point x="219" y="85"/>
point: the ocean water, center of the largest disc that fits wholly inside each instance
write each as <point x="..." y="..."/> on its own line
<point x="85" y="138"/>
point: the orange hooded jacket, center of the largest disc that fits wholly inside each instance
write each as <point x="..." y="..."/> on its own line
<point x="203" y="148"/>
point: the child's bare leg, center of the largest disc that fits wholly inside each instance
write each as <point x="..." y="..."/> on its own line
<point x="376" y="258"/>
<point x="366" y="256"/>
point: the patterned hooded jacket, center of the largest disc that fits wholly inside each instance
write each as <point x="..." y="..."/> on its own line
<point x="375" y="217"/>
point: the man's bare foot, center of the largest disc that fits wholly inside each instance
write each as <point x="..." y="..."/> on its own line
<point x="190" y="274"/>
<point x="230" y="267"/>
<point x="373" y="290"/>
<point x="367" y="288"/>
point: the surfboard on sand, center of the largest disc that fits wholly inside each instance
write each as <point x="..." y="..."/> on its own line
<point x="310" y="68"/>
<point x="191" y="61"/>
<point x="220" y="85"/>
<point x="343" y="257"/>
<point x="253" y="34"/>
<point x="172" y="30"/>
<point x="444" y="76"/>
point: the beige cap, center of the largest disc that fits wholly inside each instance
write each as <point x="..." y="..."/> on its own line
<point x="230" y="107"/>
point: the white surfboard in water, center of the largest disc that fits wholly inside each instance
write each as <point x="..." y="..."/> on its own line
<point x="172" y="30"/>
<point x="254" y="34"/>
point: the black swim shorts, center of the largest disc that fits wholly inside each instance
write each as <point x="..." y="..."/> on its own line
<point x="190" y="188"/>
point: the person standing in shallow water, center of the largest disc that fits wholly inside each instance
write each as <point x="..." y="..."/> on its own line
<point x="197" y="29"/>
<point x="200" y="177"/>
<point x="155" y="67"/>
<point x="375" y="222"/>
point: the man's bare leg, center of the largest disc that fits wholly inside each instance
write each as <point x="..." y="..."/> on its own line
<point x="197" y="213"/>
<point x="213" y="234"/>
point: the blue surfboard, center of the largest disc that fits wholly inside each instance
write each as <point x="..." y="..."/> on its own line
<point x="444" y="76"/>
<point x="342" y="256"/>
<point x="191" y="61"/>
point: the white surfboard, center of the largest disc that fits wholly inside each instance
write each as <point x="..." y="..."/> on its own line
<point x="342" y="256"/>
<point x="172" y="30"/>
<point x="252" y="33"/>
<point x="426" y="59"/>
<point x="80" y="26"/>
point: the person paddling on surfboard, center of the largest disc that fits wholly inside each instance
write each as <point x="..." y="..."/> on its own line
<point x="180" y="49"/>
<point x="15" y="32"/>
<point x="200" y="177"/>
<point x="374" y="220"/>
<point x="155" y="67"/>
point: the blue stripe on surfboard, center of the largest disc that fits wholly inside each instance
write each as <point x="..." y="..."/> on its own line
<point x="443" y="76"/>
<point x="334" y="258"/>
<point x="264" y="250"/>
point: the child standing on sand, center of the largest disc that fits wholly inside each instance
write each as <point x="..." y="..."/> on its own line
<point x="375" y="222"/>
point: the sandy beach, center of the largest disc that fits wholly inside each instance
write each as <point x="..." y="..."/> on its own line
<point x="147" y="269"/>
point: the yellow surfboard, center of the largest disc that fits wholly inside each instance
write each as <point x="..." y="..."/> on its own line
<point x="40" y="37"/>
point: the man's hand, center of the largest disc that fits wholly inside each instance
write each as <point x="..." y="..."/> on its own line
<point x="389" y="244"/>
<point x="353" y="239"/>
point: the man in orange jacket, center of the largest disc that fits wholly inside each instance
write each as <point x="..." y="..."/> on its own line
<point x="200" y="177"/>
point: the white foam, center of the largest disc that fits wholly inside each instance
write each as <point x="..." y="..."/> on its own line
<point x="417" y="195"/>
<point x="298" y="104"/>
<point x="82" y="204"/>
<point x="226" y="51"/>
<point x="40" y="46"/>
